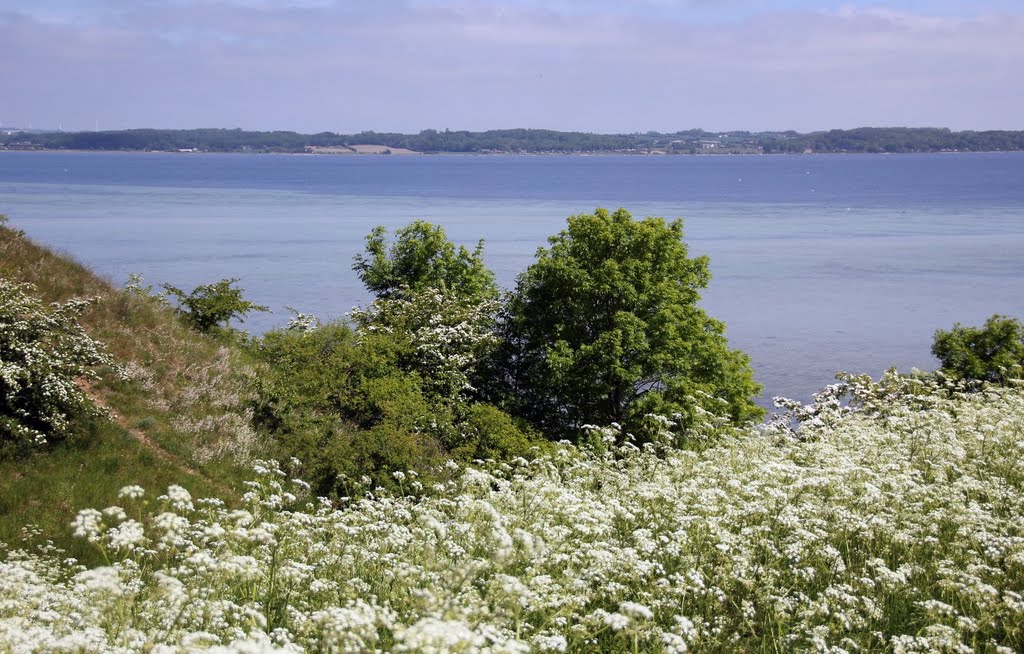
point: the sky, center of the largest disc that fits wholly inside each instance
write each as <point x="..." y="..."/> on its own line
<point x="609" y="66"/>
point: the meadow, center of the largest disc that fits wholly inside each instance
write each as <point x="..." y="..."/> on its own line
<point x="893" y="525"/>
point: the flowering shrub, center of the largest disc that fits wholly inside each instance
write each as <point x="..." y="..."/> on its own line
<point x="441" y="336"/>
<point x="393" y="393"/>
<point x="42" y="352"/>
<point x="892" y="523"/>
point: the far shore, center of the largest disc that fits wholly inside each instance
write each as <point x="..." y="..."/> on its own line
<point x="386" y="151"/>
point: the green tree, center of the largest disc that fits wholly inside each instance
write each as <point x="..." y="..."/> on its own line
<point x="604" y="328"/>
<point x="210" y="305"/>
<point x="422" y="257"/>
<point x="432" y="324"/>
<point x="437" y="304"/>
<point x="395" y="392"/>
<point x="993" y="353"/>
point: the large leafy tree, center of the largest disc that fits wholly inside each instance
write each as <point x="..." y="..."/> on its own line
<point x="993" y="353"/>
<point x="604" y="327"/>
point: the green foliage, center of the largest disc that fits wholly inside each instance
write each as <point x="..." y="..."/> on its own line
<point x="297" y="395"/>
<point x="42" y="353"/>
<point x="422" y="257"/>
<point x="308" y="372"/>
<point x="437" y="334"/>
<point x="368" y="402"/>
<point x="487" y="432"/>
<point x="604" y="328"/>
<point x="993" y="353"/>
<point x="210" y="305"/>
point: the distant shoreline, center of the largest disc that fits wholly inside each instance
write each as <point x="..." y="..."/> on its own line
<point x="372" y="155"/>
<point x="869" y="140"/>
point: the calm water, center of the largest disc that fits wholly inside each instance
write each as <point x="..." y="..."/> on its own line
<point x="820" y="263"/>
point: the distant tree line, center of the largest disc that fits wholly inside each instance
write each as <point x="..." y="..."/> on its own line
<point x="897" y="139"/>
<point x="865" y="139"/>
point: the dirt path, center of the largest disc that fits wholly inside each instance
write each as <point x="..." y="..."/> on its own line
<point x="147" y="442"/>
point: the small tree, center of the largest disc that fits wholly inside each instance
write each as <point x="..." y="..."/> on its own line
<point x="421" y="342"/>
<point x="436" y="302"/>
<point x="993" y="353"/>
<point x="422" y="257"/>
<point x="604" y="328"/>
<point x="42" y="352"/>
<point x="210" y="305"/>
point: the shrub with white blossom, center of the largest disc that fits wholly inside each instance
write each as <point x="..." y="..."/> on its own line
<point x="439" y="335"/>
<point x="43" y="350"/>
<point x="891" y="523"/>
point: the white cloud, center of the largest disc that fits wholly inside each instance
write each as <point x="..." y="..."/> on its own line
<point x="315" y="65"/>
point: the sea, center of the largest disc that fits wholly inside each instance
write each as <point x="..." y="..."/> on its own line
<point x="819" y="263"/>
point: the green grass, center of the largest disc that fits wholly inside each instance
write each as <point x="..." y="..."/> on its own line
<point x="48" y="489"/>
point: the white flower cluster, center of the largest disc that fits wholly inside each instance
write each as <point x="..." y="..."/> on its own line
<point x="42" y="352"/>
<point x="301" y="322"/>
<point x="448" y="333"/>
<point x="893" y="524"/>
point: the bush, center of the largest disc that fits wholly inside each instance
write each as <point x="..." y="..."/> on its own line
<point x="993" y="353"/>
<point x="487" y="432"/>
<point x="436" y="334"/>
<point x="210" y="305"/>
<point x="349" y="404"/>
<point x="42" y="353"/>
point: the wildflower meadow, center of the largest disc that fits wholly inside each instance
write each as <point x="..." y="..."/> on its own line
<point x="886" y="517"/>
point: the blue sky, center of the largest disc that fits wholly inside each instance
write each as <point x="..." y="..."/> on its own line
<point x="594" y="65"/>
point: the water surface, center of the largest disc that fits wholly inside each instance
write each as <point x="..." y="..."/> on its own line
<point x="819" y="263"/>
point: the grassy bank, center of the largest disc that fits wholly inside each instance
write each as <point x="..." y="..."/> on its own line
<point x="179" y="415"/>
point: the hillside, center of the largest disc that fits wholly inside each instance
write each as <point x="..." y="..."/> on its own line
<point x="178" y="417"/>
<point x="885" y="516"/>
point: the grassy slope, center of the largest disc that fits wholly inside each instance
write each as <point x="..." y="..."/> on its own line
<point x="180" y="418"/>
